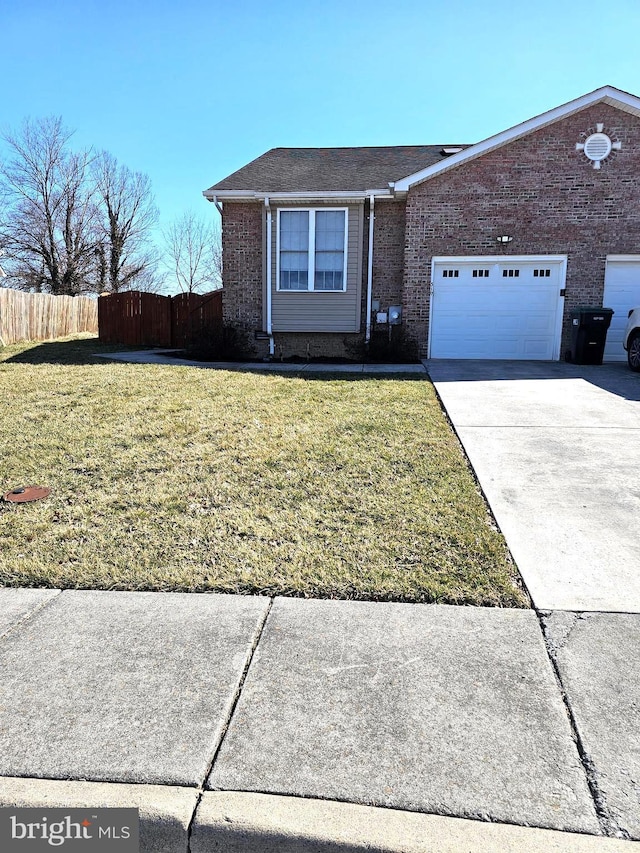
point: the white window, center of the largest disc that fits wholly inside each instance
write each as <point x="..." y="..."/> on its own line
<point x="312" y="249"/>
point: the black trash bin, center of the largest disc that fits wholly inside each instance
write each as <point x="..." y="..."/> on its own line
<point x="589" y="326"/>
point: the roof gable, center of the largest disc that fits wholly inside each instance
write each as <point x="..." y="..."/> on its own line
<point x="606" y="94"/>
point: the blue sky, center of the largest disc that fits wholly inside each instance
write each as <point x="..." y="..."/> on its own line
<point x="190" y="91"/>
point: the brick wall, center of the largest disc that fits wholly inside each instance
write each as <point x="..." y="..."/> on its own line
<point x="388" y="252"/>
<point x="388" y="255"/>
<point x="242" y="242"/>
<point x="313" y="344"/>
<point x="545" y="194"/>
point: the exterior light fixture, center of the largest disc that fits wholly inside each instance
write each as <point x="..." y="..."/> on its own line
<point x="504" y="239"/>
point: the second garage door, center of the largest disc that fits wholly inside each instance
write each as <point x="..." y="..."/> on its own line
<point x="489" y="307"/>
<point x="622" y="293"/>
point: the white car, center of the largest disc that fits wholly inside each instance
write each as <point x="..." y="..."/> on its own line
<point x="632" y="339"/>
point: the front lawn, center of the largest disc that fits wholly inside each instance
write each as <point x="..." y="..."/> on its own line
<point x="177" y="478"/>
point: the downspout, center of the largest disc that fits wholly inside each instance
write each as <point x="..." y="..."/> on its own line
<point x="269" y="277"/>
<point x="367" y="336"/>
<point x="217" y="204"/>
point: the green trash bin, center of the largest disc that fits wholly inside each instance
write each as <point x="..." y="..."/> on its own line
<point x="589" y="326"/>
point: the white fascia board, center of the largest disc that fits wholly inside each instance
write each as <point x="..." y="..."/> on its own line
<point x="317" y="195"/>
<point x="612" y="96"/>
<point x="321" y="194"/>
<point x="227" y="194"/>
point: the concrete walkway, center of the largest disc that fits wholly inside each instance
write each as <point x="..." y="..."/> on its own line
<point x="243" y="723"/>
<point x="159" y="356"/>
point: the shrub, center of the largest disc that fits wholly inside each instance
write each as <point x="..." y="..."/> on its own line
<point x="221" y="343"/>
<point x="391" y="346"/>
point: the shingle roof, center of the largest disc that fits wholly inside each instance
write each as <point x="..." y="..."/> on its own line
<point x="331" y="169"/>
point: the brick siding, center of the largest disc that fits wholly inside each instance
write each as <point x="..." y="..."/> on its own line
<point x="388" y="253"/>
<point x="539" y="190"/>
<point x="242" y="242"/>
<point x="313" y="344"/>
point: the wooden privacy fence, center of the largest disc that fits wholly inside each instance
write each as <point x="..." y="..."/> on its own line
<point x="145" y="319"/>
<point x="42" y="317"/>
<point x="194" y="314"/>
<point x="135" y="318"/>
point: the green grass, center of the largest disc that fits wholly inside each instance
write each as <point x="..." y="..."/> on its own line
<point x="176" y="478"/>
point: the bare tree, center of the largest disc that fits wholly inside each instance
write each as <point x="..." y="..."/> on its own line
<point x="126" y="215"/>
<point x="193" y="254"/>
<point x="48" y="210"/>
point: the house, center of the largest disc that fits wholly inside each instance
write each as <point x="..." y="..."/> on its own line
<point x="474" y="251"/>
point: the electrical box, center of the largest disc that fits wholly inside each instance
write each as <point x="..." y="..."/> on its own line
<point x="375" y="305"/>
<point x="381" y="317"/>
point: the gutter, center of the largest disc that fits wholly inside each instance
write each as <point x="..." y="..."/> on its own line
<point x="315" y="195"/>
<point x="372" y="217"/>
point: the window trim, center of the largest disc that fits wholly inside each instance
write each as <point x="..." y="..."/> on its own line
<point x="311" y="251"/>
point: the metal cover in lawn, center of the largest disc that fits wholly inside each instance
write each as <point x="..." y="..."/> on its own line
<point x="27" y="493"/>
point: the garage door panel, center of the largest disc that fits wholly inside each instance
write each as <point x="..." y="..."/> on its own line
<point x="513" y="347"/>
<point x="622" y="293"/>
<point x="494" y="324"/>
<point x="495" y="299"/>
<point x="496" y="316"/>
<point x="536" y="348"/>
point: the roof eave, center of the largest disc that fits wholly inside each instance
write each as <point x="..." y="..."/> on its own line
<point x="608" y="94"/>
<point x="306" y="195"/>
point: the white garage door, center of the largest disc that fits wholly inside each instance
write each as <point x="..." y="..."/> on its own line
<point x="497" y="307"/>
<point x="621" y="292"/>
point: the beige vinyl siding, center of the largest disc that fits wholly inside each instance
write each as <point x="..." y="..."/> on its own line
<point x="321" y="311"/>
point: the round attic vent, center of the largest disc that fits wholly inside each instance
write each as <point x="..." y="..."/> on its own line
<point x="597" y="147"/>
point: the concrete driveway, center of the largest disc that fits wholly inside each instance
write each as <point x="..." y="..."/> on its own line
<point x="556" y="448"/>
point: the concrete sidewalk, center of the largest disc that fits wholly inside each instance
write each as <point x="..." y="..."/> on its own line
<point x="245" y="723"/>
